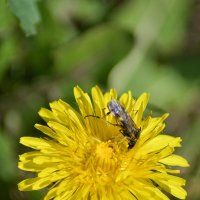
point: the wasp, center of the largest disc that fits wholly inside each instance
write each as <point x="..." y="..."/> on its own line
<point x="128" y="127"/>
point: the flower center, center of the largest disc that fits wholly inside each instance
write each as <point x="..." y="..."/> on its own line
<point x="105" y="151"/>
<point x="105" y="162"/>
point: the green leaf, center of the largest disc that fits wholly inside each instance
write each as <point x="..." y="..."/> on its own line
<point x="28" y="14"/>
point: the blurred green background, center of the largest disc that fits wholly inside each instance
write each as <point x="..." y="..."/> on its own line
<point x="48" y="47"/>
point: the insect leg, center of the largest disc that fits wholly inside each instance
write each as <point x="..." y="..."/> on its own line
<point x="91" y="116"/>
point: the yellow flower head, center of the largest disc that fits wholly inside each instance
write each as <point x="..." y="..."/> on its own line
<point x="96" y="155"/>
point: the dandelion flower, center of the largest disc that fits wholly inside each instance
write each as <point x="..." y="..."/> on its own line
<point x="85" y="154"/>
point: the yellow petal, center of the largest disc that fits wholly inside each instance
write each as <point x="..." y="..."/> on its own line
<point x="99" y="103"/>
<point x="142" y="100"/>
<point x="35" y="143"/>
<point x="34" y="183"/>
<point x="160" y="142"/>
<point x="112" y="94"/>
<point x="175" y="160"/>
<point x="146" y="191"/>
<point x="171" y="184"/>
<point x="128" y="102"/>
<point x="46" y="130"/>
<point x="152" y="127"/>
<point x="84" y="102"/>
<point x="62" y="132"/>
<point x="46" y="114"/>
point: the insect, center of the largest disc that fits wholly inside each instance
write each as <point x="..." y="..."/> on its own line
<point x="129" y="128"/>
